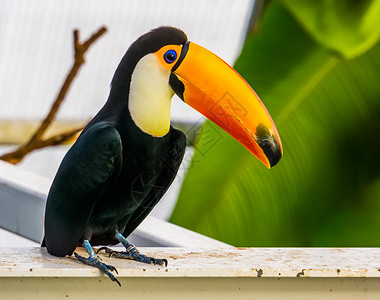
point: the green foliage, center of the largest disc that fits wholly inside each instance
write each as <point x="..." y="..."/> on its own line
<point x="326" y="189"/>
<point x="348" y="27"/>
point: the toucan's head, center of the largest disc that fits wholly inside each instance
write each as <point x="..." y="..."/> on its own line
<point x="163" y="62"/>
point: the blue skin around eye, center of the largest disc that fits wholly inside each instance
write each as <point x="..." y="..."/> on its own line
<point x="168" y="57"/>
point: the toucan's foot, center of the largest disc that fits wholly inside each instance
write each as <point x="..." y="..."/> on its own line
<point x="95" y="262"/>
<point x="133" y="253"/>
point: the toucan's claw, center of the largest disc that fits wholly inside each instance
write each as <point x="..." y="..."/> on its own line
<point x="158" y="261"/>
<point x="106" y="250"/>
<point x="134" y="254"/>
<point x="161" y="262"/>
<point x="95" y="262"/>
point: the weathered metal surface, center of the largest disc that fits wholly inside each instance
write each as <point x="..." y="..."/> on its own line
<point x="187" y="262"/>
<point x="231" y="273"/>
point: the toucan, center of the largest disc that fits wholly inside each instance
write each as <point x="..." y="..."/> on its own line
<point x="128" y="155"/>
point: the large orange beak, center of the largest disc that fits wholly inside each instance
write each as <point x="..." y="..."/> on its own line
<point x="216" y="90"/>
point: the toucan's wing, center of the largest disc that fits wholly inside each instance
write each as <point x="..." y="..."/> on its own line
<point x="171" y="163"/>
<point x="86" y="172"/>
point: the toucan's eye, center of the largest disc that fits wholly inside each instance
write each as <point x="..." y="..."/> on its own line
<point x="170" y="56"/>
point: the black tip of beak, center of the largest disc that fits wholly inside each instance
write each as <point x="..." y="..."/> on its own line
<point x="271" y="149"/>
<point x="269" y="144"/>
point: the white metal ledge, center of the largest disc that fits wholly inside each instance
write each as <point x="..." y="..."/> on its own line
<point x="22" y="203"/>
<point x="232" y="273"/>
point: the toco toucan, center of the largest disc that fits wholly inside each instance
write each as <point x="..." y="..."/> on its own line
<point x="128" y="155"/>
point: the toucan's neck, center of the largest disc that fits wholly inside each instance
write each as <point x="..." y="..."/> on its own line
<point x="140" y="90"/>
<point x="116" y="113"/>
<point x="143" y="96"/>
<point x="116" y="105"/>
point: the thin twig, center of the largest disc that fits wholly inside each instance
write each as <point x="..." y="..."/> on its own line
<point x="36" y="141"/>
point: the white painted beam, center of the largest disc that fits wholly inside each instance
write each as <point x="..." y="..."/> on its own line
<point x="233" y="273"/>
<point x="22" y="204"/>
<point x="22" y="201"/>
<point x="9" y="239"/>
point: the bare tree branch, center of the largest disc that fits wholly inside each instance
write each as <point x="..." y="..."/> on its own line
<point x="37" y="141"/>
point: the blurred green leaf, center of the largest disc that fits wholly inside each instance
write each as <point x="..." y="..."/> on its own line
<point x="349" y="27"/>
<point x="325" y="190"/>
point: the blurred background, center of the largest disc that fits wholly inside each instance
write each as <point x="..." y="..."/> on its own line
<point x="315" y="64"/>
<point x="36" y="53"/>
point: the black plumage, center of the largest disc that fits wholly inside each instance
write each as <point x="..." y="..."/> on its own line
<point x="114" y="174"/>
<point x="127" y="156"/>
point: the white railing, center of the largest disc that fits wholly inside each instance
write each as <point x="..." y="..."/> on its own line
<point x="22" y="204"/>
<point x="230" y="273"/>
<point x="199" y="267"/>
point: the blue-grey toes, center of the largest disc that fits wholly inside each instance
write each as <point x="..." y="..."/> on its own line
<point x="133" y="253"/>
<point x="95" y="262"/>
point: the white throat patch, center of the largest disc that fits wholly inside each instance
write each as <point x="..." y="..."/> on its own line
<point x="150" y="96"/>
